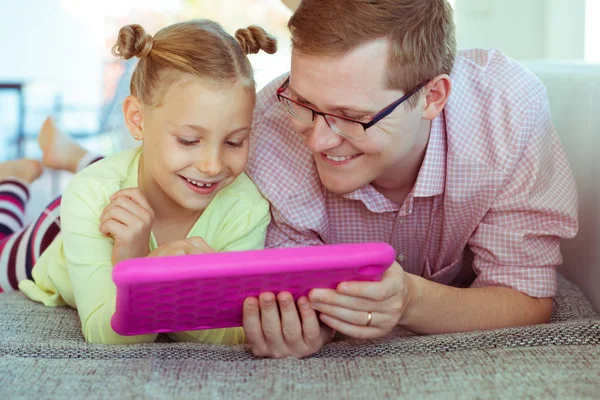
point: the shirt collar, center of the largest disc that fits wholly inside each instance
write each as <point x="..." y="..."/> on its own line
<point x="432" y="175"/>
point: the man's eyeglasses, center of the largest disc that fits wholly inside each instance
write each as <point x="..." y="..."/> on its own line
<point x="343" y="126"/>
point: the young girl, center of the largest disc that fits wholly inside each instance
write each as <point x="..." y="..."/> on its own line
<point x="183" y="191"/>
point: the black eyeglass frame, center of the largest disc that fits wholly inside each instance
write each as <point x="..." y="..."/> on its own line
<point x="366" y="125"/>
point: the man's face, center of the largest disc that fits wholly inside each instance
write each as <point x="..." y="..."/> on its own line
<point x="354" y="86"/>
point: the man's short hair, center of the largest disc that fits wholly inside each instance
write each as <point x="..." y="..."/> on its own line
<point x="421" y="34"/>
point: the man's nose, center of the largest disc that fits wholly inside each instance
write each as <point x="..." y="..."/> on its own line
<point x="321" y="137"/>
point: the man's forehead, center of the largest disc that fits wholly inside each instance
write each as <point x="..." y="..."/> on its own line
<point x="354" y="76"/>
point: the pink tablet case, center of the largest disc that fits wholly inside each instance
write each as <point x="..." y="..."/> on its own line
<point x="172" y="294"/>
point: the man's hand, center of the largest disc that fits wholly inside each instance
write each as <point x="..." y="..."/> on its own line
<point x="191" y="245"/>
<point x="347" y="308"/>
<point x="274" y="328"/>
<point x="423" y="306"/>
<point x="128" y="220"/>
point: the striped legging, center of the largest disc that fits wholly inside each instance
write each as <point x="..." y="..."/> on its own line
<point x="21" y="245"/>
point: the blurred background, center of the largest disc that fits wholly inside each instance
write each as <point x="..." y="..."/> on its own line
<point x="55" y="54"/>
<point x="56" y="60"/>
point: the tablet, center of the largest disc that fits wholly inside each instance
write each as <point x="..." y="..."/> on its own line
<point x="207" y="291"/>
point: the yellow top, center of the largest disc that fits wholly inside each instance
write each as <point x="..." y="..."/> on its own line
<point x="76" y="268"/>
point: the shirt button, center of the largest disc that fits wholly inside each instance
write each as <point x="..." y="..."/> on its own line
<point x="401" y="221"/>
<point x="401" y="258"/>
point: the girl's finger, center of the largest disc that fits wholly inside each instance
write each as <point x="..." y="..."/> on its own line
<point x="135" y="195"/>
<point x="121" y="215"/>
<point x="113" y="228"/>
<point x="200" y="244"/>
<point x="133" y="208"/>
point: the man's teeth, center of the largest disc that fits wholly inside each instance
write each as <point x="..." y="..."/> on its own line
<point x="334" y="158"/>
<point x="200" y="184"/>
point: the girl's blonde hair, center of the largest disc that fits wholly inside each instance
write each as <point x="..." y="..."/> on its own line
<point x="200" y="48"/>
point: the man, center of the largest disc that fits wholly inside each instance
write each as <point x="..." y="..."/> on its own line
<point x="382" y="132"/>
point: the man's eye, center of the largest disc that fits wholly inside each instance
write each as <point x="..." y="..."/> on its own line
<point x="187" y="142"/>
<point x="304" y="102"/>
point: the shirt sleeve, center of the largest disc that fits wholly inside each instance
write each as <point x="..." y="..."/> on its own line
<point x="282" y="233"/>
<point x="245" y="230"/>
<point x="516" y="244"/>
<point x="89" y="261"/>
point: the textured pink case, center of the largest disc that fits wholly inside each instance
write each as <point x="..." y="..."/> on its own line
<point x="171" y="294"/>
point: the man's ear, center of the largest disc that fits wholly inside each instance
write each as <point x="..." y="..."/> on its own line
<point x="437" y="93"/>
<point x="292" y="4"/>
<point x="134" y="117"/>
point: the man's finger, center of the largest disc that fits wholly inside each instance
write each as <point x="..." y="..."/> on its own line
<point x="384" y="289"/>
<point x="333" y="298"/>
<point x="358" y="332"/>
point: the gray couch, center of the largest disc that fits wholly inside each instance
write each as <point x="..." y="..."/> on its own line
<point x="43" y="354"/>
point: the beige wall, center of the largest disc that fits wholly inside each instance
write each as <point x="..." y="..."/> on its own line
<point x="523" y="29"/>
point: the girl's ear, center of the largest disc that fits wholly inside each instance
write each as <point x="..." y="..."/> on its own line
<point x="134" y="117"/>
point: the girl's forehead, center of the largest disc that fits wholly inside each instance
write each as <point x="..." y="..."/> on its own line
<point x="193" y="103"/>
<point x="196" y="94"/>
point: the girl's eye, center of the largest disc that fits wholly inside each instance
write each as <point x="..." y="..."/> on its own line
<point x="187" y="142"/>
<point x="234" y="144"/>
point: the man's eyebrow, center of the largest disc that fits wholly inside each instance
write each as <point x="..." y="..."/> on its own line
<point x="342" y="109"/>
<point x="302" y="99"/>
<point x="352" y="109"/>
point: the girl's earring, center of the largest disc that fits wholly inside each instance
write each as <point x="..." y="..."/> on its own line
<point x="137" y="137"/>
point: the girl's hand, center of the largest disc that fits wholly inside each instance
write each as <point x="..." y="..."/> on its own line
<point x="128" y="220"/>
<point x="275" y="327"/>
<point x="191" y="245"/>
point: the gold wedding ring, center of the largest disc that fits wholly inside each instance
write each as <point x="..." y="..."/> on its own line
<point x="369" y="318"/>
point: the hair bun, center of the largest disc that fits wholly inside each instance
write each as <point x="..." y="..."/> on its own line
<point x="133" y="41"/>
<point x="254" y="38"/>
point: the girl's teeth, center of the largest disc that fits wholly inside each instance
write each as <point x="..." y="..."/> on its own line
<point x="202" y="185"/>
<point x="334" y="158"/>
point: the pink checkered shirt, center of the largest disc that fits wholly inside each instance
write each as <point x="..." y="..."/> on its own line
<point x="492" y="199"/>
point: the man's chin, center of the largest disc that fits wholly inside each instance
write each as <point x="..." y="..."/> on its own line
<point x="339" y="183"/>
<point x="338" y="187"/>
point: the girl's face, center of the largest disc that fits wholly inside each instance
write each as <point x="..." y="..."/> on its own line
<point x="195" y="141"/>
